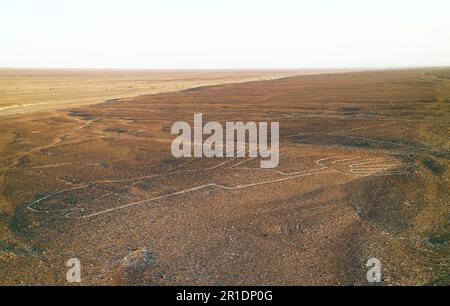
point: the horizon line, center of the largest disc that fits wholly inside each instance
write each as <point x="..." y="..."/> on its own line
<point x="230" y="69"/>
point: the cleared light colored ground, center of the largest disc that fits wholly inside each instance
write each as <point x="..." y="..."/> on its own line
<point x="31" y="90"/>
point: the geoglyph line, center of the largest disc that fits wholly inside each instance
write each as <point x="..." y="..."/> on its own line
<point x="324" y="169"/>
<point x="239" y="187"/>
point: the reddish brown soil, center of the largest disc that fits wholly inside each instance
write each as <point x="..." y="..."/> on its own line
<point x="363" y="173"/>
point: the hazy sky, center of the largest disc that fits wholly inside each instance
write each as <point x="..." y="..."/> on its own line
<point x="224" y="33"/>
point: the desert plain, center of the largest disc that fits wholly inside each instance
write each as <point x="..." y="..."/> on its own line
<point x="363" y="174"/>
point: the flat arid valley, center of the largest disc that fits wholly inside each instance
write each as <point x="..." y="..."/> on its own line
<point x="87" y="172"/>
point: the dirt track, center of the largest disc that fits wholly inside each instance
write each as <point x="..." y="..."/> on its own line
<point x="363" y="173"/>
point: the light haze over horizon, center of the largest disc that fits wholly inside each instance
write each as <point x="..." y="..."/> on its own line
<point x="202" y="34"/>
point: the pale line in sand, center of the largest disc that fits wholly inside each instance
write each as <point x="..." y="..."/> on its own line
<point x="31" y="206"/>
<point x="346" y="160"/>
<point x="61" y="165"/>
<point x="383" y="166"/>
<point x="375" y="160"/>
<point x="382" y="174"/>
<point x="238" y="187"/>
<point x="163" y="175"/>
<point x="323" y="170"/>
<point x="319" y="162"/>
<point x="58" y="140"/>
<point x="355" y="167"/>
<point x="361" y="128"/>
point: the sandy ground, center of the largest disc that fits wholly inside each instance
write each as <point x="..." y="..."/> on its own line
<point x="363" y="173"/>
<point x="27" y="90"/>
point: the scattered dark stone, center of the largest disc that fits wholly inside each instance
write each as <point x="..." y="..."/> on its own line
<point x="70" y="199"/>
<point x="116" y="130"/>
<point x="23" y="161"/>
<point x="440" y="281"/>
<point x="19" y="223"/>
<point x="19" y="251"/>
<point x="438" y="241"/>
<point x="349" y="109"/>
<point x="433" y="166"/>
